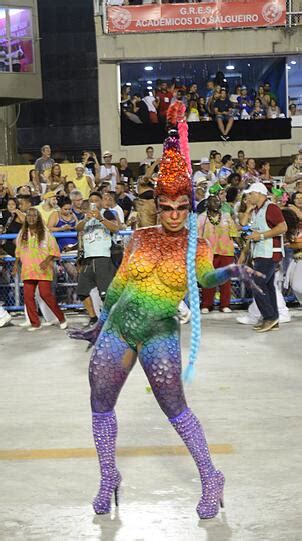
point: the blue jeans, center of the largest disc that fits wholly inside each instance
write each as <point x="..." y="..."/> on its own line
<point x="266" y="303"/>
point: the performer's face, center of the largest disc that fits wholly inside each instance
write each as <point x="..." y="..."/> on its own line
<point x="173" y="212"/>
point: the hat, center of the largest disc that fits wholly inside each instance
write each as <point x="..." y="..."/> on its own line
<point x="80" y="166"/>
<point x="107" y="153"/>
<point x="48" y="195"/>
<point x="204" y="160"/>
<point x="257" y="187"/>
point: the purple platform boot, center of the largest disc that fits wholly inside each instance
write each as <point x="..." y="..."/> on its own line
<point x="191" y="432"/>
<point x="104" y="427"/>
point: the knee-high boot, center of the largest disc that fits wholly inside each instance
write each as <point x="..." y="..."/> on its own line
<point x="191" y="432"/>
<point x="104" y="427"/>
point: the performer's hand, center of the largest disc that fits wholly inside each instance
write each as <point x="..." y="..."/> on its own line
<point x="89" y="334"/>
<point x="247" y="274"/>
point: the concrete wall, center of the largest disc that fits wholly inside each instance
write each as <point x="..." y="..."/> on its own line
<point x="112" y="50"/>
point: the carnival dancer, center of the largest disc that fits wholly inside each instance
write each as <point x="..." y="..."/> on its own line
<point x="138" y="320"/>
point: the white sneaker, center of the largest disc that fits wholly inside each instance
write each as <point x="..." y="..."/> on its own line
<point x="32" y="329"/>
<point x="226" y="310"/>
<point x="5" y="320"/>
<point x="184" y="313"/>
<point x="205" y="311"/>
<point x="24" y="324"/>
<point x="284" y="319"/>
<point x="246" y="320"/>
<point x="63" y="325"/>
<point x="49" y="323"/>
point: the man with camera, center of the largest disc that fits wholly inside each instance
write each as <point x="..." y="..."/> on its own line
<point x="97" y="269"/>
<point x="268" y="226"/>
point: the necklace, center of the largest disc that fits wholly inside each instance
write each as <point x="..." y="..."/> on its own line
<point x="214" y="220"/>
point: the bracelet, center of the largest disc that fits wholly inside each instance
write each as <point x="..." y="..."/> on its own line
<point x="262" y="236"/>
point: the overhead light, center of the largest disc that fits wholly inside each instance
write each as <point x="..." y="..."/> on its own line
<point x="249" y="65"/>
<point x="149" y="88"/>
<point x="148" y="68"/>
<point x="230" y="67"/>
<point x="293" y="62"/>
<point x="128" y="84"/>
<point x="288" y="67"/>
<point x="149" y="82"/>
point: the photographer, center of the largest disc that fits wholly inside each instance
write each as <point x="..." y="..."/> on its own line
<point x="97" y="269"/>
<point x="268" y="227"/>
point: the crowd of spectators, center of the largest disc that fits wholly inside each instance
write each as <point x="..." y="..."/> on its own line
<point x="218" y="103"/>
<point x="110" y="198"/>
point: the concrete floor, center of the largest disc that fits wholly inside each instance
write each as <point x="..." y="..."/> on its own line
<point x="247" y="393"/>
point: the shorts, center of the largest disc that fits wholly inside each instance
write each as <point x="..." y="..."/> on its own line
<point x="95" y="272"/>
<point x="224" y="117"/>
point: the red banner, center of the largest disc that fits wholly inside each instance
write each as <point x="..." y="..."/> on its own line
<point x="201" y="16"/>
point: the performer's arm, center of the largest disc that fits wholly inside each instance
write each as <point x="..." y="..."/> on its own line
<point x="207" y="276"/>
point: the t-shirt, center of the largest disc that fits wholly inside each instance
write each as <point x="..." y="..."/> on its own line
<point x="82" y="185"/>
<point x="45" y="213"/>
<point x="126" y="175"/>
<point x="223" y="105"/>
<point x="96" y="237"/>
<point x="164" y="102"/>
<point x="126" y="204"/>
<point x="43" y="166"/>
<point x="149" y="101"/>
<point x="31" y="254"/>
<point x="220" y="236"/>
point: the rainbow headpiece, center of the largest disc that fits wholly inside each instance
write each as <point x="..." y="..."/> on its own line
<point x="174" y="177"/>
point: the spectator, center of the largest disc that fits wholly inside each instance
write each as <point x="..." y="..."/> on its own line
<point x="219" y="230"/>
<point x="292" y="109"/>
<point x="265" y="174"/>
<point x="261" y="96"/>
<point x="108" y="171"/>
<point x="245" y="104"/>
<point x="209" y="90"/>
<point x="110" y="202"/>
<point x="164" y="97"/>
<point x="48" y="206"/>
<point x="145" y="204"/>
<point x="201" y="196"/>
<point x="6" y="192"/>
<point x="204" y="173"/>
<point x="223" y="111"/>
<point x="90" y="163"/>
<point x="202" y="109"/>
<point x="140" y="109"/>
<point x="35" y="186"/>
<point x="193" y="92"/>
<point x="76" y="199"/>
<point x="55" y="181"/>
<point x="211" y="102"/>
<point x="97" y="269"/>
<point x="234" y="97"/>
<point x="62" y="221"/>
<point x="216" y="163"/>
<point x="82" y="182"/>
<point x="149" y="160"/>
<point x="12" y="221"/>
<point x="235" y="181"/>
<point x="152" y="104"/>
<point x="24" y="202"/>
<point x="126" y="98"/>
<point x="43" y="165"/>
<point x="273" y="110"/>
<point x="268" y="92"/>
<point x="232" y="195"/>
<point x="258" y="112"/>
<point x="251" y="175"/>
<point x="293" y="173"/>
<point x="268" y="225"/>
<point x="123" y="200"/>
<point x="36" y="250"/>
<point x="69" y="187"/>
<point x="193" y="114"/>
<point x="126" y="174"/>
<point x="226" y="169"/>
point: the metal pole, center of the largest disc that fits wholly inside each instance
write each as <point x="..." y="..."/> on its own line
<point x="17" y="289"/>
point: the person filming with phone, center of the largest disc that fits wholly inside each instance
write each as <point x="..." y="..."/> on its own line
<point x="97" y="269"/>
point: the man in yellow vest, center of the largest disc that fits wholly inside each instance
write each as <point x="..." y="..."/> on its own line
<point x="82" y="182"/>
<point x="48" y="206"/>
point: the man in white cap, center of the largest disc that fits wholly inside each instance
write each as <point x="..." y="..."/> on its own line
<point x="204" y="173"/>
<point x="268" y="226"/>
<point x="108" y="172"/>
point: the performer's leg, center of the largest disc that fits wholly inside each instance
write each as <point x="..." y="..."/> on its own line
<point x="160" y="357"/>
<point x="111" y="362"/>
